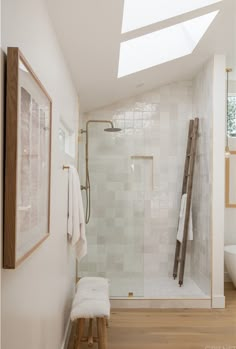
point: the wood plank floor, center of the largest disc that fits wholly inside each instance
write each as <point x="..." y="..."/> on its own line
<point x="173" y="329"/>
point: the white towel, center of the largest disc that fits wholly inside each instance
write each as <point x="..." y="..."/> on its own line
<point x="76" y="221"/>
<point x="182" y="214"/>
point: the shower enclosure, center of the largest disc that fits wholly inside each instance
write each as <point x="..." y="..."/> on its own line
<point x="136" y="179"/>
<point x="115" y="229"/>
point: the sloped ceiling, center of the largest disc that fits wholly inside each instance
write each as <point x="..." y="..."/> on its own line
<point x="89" y="32"/>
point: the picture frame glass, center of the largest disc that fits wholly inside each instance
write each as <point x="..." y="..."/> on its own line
<point x="33" y="162"/>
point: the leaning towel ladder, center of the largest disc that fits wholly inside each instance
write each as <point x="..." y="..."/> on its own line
<point x="181" y="248"/>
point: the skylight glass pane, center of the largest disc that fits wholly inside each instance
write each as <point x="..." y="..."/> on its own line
<point x="163" y="45"/>
<point x="140" y="13"/>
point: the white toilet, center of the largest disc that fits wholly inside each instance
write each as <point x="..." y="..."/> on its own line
<point x="230" y="261"/>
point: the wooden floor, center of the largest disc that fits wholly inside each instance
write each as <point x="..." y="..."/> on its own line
<point x="173" y="329"/>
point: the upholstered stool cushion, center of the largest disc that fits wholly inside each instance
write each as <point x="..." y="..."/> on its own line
<point x="91" y="299"/>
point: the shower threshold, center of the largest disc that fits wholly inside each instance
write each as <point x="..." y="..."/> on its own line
<point x="164" y="292"/>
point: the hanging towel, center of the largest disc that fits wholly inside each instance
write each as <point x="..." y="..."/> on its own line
<point x="182" y="214"/>
<point x="76" y="221"/>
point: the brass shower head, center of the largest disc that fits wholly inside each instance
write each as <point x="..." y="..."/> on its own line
<point x="112" y="129"/>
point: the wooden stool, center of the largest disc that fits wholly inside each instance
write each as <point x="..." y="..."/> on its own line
<point x="91" y="302"/>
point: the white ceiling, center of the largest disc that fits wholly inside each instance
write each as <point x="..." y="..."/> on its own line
<point x="89" y="32"/>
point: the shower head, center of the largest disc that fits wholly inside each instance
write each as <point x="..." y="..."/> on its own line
<point x="112" y="129"/>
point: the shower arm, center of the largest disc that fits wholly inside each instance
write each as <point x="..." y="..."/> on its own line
<point x="96" y="121"/>
<point x="86" y="186"/>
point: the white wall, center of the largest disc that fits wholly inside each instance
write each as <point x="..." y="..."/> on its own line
<point x="37" y="296"/>
<point x="202" y="187"/>
<point x="209" y="104"/>
<point x="218" y="188"/>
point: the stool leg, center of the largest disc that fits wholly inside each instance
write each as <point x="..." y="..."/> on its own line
<point x="102" y="333"/>
<point x="90" y="333"/>
<point x="80" y="332"/>
<point x="107" y="322"/>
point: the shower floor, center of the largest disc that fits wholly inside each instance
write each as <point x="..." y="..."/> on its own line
<point x="167" y="287"/>
<point x="157" y="288"/>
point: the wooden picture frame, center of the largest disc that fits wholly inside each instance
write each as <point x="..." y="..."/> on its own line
<point x="228" y="203"/>
<point x="27" y="161"/>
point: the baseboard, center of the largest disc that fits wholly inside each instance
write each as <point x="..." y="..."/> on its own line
<point x="218" y="302"/>
<point x="66" y="335"/>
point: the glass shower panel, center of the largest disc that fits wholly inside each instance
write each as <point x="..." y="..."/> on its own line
<point x="115" y="232"/>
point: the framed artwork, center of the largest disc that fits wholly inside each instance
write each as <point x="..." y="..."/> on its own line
<point x="27" y="161"/>
<point x="230" y="182"/>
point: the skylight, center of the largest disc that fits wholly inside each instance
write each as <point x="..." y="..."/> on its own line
<point x="163" y="45"/>
<point x="140" y="13"/>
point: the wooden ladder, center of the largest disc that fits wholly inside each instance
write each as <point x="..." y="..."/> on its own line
<point x="181" y="248"/>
